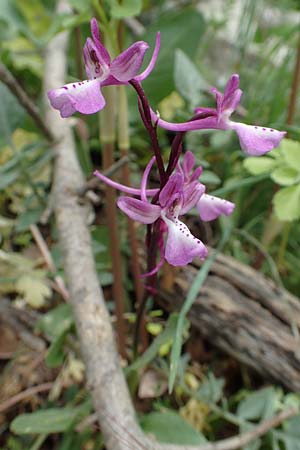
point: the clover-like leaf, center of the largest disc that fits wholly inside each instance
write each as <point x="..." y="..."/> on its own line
<point x="285" y="176"/>
<point x="34" y="289"/>
<point x="287" y="203"/>
<point x="291" y="153"/>
<point x="259" y="165"/>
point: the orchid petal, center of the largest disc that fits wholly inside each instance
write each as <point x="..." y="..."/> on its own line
<point x="256" y="140"/>
<point x="196" y="174"/>
<point x="181" y="246"/>
<point x="210" y="207"/>
<point x="219" y="99"/>
<point x="231" y="86"/>
<point x="152" y="62"/>
<point x="191" y="196"/>
<point x="188" y="163"/>
<point x="138" y="210"/>
<point x="83" y="96"/>
<point x="95" y="59"/>
<point x="230" y="103"/>
<point x="145" y="179"/>
<point x="96" y="37"/>
<point x="95" y="29"/>
<point x="126" y="66"/>
<point x="171" y="190"/>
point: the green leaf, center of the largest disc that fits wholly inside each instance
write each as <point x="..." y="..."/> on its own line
<point x="169" y="427"/>
<point x="291" y="434"/>
<point x="34" y="289"/>
<point x="287" y="203"/>
<point x="285" y="176"/>
<point x="53" y="420"/>
<point x="211" y="390"/>
<point x="259" y="405"/>
<point x="8" y="178"/>
<point x="11" y="20"/>
<point x="9" y="108"/>
<point x="209" y="177"/>
<point x="153" y="350"/>
<point x="55" y="354"/>
<point x="188" y="80"/>
<point x="56" y="321"/>
<point x="190" y="298"/>
<point x="258" y="165"/>
<point x="179" y="30"/>
<point x="291" y="153"/>
<point x="127" y="8"/>
<point x="28" y="217"/>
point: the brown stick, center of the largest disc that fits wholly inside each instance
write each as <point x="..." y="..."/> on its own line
<point x="245" y="315"/>
<point x="25" y="394"/>
<point x="13" y="85"/>
<point x="40" y="242"/>
<point x="241" y="440"/>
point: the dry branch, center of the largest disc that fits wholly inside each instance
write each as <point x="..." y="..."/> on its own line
<point x="246" y="315"/>
<point x="104" y="375"/>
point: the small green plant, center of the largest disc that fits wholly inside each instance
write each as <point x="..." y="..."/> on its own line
<point x="283" y="167"/>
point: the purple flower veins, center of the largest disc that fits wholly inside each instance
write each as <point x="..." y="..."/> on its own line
<point x="85" y="96"/>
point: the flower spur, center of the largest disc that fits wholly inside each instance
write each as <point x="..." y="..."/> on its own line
<point x="254" y="140"/>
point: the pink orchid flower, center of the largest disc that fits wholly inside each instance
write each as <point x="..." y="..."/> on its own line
<point x="85" y="96"/>
<point x="180" y="247"/>
<point x="254" y="140"/>
<point x="209" y="206"/>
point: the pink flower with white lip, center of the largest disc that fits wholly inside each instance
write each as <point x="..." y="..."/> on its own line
<point x="209" y="206"/>
<point x="85" y="96"/>
<point x="254" y="140"/>
<point x="180" y="246"/>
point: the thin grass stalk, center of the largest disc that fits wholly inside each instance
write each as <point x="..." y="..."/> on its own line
<point x="108" y="139"/>
<point x="294" y="87"/>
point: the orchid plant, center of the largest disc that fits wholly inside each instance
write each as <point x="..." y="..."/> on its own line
<point x="180" y="189"/>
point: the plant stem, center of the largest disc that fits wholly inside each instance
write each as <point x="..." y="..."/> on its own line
<point x="151" y="129"/>
<point x="152" y="239"/>
<point x="107" y="139"/>
<point x="124" y="145"/>
<point x="283" y="244"/>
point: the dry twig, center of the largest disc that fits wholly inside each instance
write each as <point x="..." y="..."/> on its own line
<point x="40" y="242"/>
<point x="25" y="394"/>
